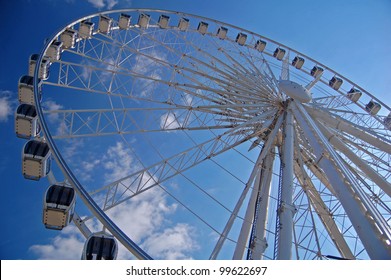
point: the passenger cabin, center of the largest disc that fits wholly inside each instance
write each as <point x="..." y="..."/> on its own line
<point x="104" y="25"/>
<point x="26" y="89"/>
<point x="335" y="83"/>
<point x="202" y="27"/>
<point x="354" y="94"/>
<point x="100" y="246"/>
<point x="279" y="53"/>
<point x="86" y="29"/>
<point x="26" y="121"/>
<point x="143" y="20"/>
<point x="241" y="39"/>
<point x="183" y="24"/>
<point x="68" y="38"/>
<point x="316" y="71"/>
<point x="260" y="45"/>
<point x="54" y="51"/>
<point x="35" y="160"/>
<point x="298" y="62"/>
<point x="222" y="32"/>
<point x="44" y="67"/>
<point x="373" y="107"/>
<point x="163" y="21"/>
<point x="124" y="21"/>
<point x="58" y="207"/>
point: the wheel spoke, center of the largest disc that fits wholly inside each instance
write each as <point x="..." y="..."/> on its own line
<point x="146" y="109"/>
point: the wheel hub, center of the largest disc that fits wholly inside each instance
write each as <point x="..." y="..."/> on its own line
<point x="295" y="91"/>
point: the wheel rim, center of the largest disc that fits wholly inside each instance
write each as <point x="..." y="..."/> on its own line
<point x="184" y="103"/>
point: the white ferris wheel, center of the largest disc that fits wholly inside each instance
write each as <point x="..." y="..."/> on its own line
<point x="264" y="151"/>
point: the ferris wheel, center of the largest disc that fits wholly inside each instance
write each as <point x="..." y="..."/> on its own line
<point x="264" y="152"/>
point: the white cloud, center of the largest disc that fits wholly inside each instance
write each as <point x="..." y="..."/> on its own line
<point x="174" y="119"/>
<point x="85" y="169"/>
<point x="86" y="70"/>
<point x="144" y="64"/>
<point x="52" y="106"/>
<point x="6" y="106"/>
<point x="100" y="4"/>
<point x="111" y="3"/>
<point x="99" y="77"/>
<point x="143" y="215"/>
<point x="66" y="246"/>
<point x="150" y="68"/>
<point x="118" y="162"/>
<point x="169" y="121"/>
<point x="173" y="243"/>
<point x="59" y="127"/>
<point x="72" y="148"/>
<point x="188" y="99"/>
<point x="110" y="65"/>
<point x="146" y="218"/>
<point x="89" y="166"/>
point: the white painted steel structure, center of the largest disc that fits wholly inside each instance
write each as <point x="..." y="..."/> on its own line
<point x="271" y="152"/>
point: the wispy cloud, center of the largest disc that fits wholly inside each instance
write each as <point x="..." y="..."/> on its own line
<point x="146" y="218"/>
<point x="98" y="78"/>
<point x="150" y="68"/>
<point x="102" y="4"/>
<point x="117" y="162"/>
<point x="66" y="246"/>
<point x="172" y="243"/>
<point x="52" y="106"/>
<point x="6" y="105"/>
<point x="72" y="149"/>
<point x="169" y="121"/>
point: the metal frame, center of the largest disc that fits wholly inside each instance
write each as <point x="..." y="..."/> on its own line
<point x="245" y="102"/>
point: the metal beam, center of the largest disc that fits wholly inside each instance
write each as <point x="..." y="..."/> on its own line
<point x="340" y="124"/>
<point x="322" y="210"/>
<point x="369" y="172"/>
<point x="247" y="221"/>
<point x="286" y="208"/>
<point x="259" y="244"/>
<point x="373" y="231"/>
<point x="265" y="150"/>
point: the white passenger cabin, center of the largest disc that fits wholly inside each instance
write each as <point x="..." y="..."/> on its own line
<point x="373" y="107"/>
<point x="316" y="71"/>
<point x="143" y="20"/>
<point x="183" y="24"/>
<point x="86" y="29"/>
<point x="68" y="38"/>
<point x="202" y="27"/>
<point x="54" y="51"/>
<point x="222" y="32"/>
<point x="279" y="53"/>
<point x="163" y="21"/>
<point x="26" y="121"/>
<point x="260" y="45"/>
<point x="44" y="67"/>
<point x="58" y="206"/>
<point x="241" y="38"/>
<point x="26" y="89"/>
<point x="35" y="160"/>
<point x="124" y="21"/>
<point x="298" y="62"/>
<point x="335" y="83"/>
<point x="100" y="246"/>
<point x="354" y="94"/>
<point x="105" y="24"/>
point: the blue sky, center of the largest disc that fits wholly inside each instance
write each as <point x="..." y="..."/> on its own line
<point x="351" y="37"/>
